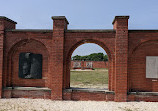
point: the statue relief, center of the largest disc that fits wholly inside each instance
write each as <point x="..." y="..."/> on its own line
<point x="30" y="66"/>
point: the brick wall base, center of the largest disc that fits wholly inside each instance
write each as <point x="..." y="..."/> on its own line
<point x="70" y="94"/>
<point x="76" y="94"/>
<point x="143" y="96"/>
<point x="27" y="92"/>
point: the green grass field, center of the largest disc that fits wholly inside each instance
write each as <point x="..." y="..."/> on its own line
<point x="97" y="78"/>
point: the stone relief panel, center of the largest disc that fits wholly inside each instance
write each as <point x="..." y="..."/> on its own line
<point x="30" y="66"/>
<point x="89" y="65"/>
<point x="77" y="65"/>
<point x="151" y="66"/>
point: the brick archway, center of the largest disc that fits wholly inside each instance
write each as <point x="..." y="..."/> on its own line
<point x="66" y="80"/>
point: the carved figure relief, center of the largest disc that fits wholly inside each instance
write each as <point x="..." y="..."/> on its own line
<point x="30" y="66"/>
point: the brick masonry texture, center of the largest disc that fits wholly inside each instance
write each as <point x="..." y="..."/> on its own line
<point x="126" y="49"/>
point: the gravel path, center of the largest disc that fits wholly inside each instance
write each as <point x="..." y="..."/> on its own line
<point x="48" y="105"/>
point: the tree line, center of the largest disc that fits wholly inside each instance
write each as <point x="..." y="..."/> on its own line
<point x="91" y="57"/>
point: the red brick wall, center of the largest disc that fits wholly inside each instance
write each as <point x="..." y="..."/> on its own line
<point x="100" y="64"/>
<point x="121" y="57"/>
<point x="96" y="64"/>
<point x="12" y="51"/>
<point x="125" y="48"/>
<point x="85" y="96"/>
<point x="142" y="43"/>
<point x="4" y="24"/>
<point x="34" y="47"/>
<point x="1" y="59"/>
<point x="73" y="39"/>
<point x="14" y="93"/>
<point x="57" y="58"/>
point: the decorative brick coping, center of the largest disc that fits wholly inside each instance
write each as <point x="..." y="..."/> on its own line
<point x="89" y="90"/>
<point x="29" y="30"/>
<point x="92" y="30"/>
<point x="7" y="19"/>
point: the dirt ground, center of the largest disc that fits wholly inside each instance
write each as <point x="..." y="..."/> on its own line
<point x="98" y="86"/>
<point x="49" y="105"/>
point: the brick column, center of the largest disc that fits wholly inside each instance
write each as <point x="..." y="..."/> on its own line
<point x="57" y="60"/>
<point x="82" y="65"/>
<point x="5" y="23"/>
<point x="121" y="57"/>
<point x="1" y="59"/>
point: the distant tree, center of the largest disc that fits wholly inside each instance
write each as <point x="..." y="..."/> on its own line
<point x="92" y="57"/>
<point x="105" y="57"/>
<point x="77" y="57"/>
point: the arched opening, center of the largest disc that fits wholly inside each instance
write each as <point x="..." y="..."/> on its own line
<point x="89" y="67"/>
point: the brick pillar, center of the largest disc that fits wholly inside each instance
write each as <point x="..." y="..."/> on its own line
<point x="5" y="23"/>
<point x="1" y="59"/>
<point x="121" y="57"/>
<point x="82" y="65"/>
<point x="57" y="60"/>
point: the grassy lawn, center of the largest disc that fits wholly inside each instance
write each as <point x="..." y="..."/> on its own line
<point x="97" y="78"/>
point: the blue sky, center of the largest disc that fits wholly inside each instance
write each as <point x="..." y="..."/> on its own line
<point x="81" y="14"/>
